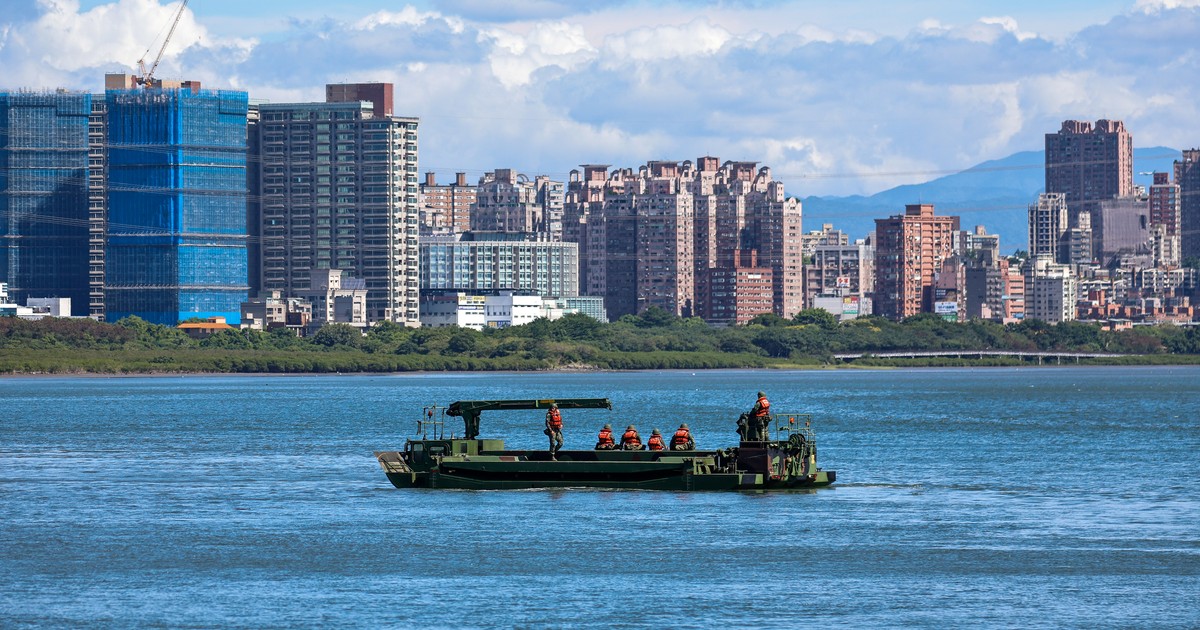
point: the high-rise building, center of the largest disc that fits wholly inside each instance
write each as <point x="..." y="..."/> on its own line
<point x="910" y="249"/>
<point x="508" y="201"/>
<point x="97" y="205"/>
<point x="1187" y="176"/>
<point x="176" y="202"/>
<point x="839" y="269"/>
<point x="338" y="190"/>
<point x="446" y="208"/>
<point x="526" y="262"/>
<point x="1048" y="225"/>
<point x="44" y="177"/>
<point x="1164" y="219"/>
<point x="1089" y="164"/>
<point x="652" y="237"/>
<point x="1051" y="290"/>
<point x="1121" y="226"/>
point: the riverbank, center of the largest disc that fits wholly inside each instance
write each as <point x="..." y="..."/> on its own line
<point x="213" y="361"/>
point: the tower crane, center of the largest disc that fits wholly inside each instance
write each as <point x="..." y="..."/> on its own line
<point x="145" y="77"/>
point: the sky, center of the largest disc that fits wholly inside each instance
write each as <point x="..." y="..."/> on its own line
<point x="837" y="97"/>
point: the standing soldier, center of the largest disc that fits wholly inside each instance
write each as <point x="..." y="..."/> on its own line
<point x="760" y="418"/>
<point x="682" y="440"/>
<point x="604" y="441"/>
<point x="554" y="429"/>
<point x="656" y="442"/>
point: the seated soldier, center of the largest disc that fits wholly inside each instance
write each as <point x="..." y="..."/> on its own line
<point x="656" y="441"/>
<point x="682" y="440"/>
<point x="631" y="441"/>
<point x="604" y="441"/>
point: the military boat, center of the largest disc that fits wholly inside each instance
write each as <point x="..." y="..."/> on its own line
<point x="788" y="460"/>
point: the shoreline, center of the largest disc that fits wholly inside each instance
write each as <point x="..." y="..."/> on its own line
<point x="1194" y="362"/>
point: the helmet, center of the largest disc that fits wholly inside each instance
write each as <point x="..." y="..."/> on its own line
<point x="608" y="426"/>
<point x="555" y="405"/>
<point x="761" y="395"/>
<point x="683" y="426"/>
<point x="655" y="432"/>
<point x="631" y="428"/>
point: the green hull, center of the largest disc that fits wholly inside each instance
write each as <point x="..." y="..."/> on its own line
<point x="679" y="471"/>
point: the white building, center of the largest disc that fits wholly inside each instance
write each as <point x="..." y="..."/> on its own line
<point x="1051" y="290"/>
<point x="499" y="311"/>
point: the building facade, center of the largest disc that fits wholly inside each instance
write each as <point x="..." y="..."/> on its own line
<point x="910" y="249"/>
<point x="446" y="209"/>
<point x="1089" y="163"/>
<point x="508" y="201"/>
<point x="839" y="269"/>
<point x="44" y="194"/>
<point x="658" y="235"/>
<point x="177" y="236"/>
<point x="1187" y="176"/>
<point x="338" y="190"/>
<point x="527" y="262"/>
<point x="1051" y="290"/>
<point x="1048" y="220"/>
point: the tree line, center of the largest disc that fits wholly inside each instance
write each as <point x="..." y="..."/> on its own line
<point x="655" y="339"/>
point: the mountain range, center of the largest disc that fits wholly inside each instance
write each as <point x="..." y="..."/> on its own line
<point x="995" y="194"/>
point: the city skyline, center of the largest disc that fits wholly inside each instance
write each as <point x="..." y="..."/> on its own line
<point x="838" y="100"/>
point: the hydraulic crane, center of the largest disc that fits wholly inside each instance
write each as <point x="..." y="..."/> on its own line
<point x="145" y="76"/>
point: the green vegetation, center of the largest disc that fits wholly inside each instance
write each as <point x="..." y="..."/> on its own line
<point x="654" y="340"/>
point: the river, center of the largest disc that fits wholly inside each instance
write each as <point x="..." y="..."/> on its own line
<point x="1022" y="497"/>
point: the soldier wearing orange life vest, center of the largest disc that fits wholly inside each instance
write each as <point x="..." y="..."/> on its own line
<point x="604" y="441"/>
<point x="554" y="427"/>
<point x="760" y="419"/>
<point x="656" y="441"/>
<point x="631" y="441"/>
<point x="682" y="440"/>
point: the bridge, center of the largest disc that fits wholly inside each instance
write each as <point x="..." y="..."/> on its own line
<point x="1040" y="357"/>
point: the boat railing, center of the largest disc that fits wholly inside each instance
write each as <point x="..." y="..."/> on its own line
<point x="432" y="423"/>
<point x="789" y="424"/>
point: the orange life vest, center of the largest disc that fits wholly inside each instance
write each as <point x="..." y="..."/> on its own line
<point x="682" y="436"/>
<point x="555" y="419"/>
<point x="605" y="437"/>
<point x="655" y="443"/>
<point x="764" y="408"/>
<point x="631" y="437"/>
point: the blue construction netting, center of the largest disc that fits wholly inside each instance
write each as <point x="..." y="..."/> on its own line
<point x="177" y="204"/>
<point x="43" y="195"/>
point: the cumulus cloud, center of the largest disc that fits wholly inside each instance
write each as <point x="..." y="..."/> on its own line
<point x="61" y="41"/>
<point x="544" y="85"/>
<point x="1156" y="6"/>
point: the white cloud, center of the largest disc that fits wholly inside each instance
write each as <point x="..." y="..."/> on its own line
<point x="696" y="38"/>
<point x="833" y="108"/>
<point x="515" y="58"/>
<point x="1157" y="6"/>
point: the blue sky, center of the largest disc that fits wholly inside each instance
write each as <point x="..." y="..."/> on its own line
<point x="837" y="97"/>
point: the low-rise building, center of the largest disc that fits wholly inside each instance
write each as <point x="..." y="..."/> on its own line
<point x="207" y="328"/>
<point x="270" y="310"/>
<point x="336" y="298"/>
<point x="501" y="310"/>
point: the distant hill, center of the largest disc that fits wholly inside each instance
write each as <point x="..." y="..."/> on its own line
<point x="994" y="194"/>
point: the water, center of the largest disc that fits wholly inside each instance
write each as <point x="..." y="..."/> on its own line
<point x="997" y="497"/>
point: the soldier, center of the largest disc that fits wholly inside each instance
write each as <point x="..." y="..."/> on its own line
<point x="760" y="419"/>
<point x="631" y="441"/>
<point x="682" y="440"/>
<point x="554" y="427"/>
<point x="604" y="441"/>
<point x="656" y="441"/>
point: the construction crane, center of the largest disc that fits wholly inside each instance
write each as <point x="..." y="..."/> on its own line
<point x="145" y="77"/>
